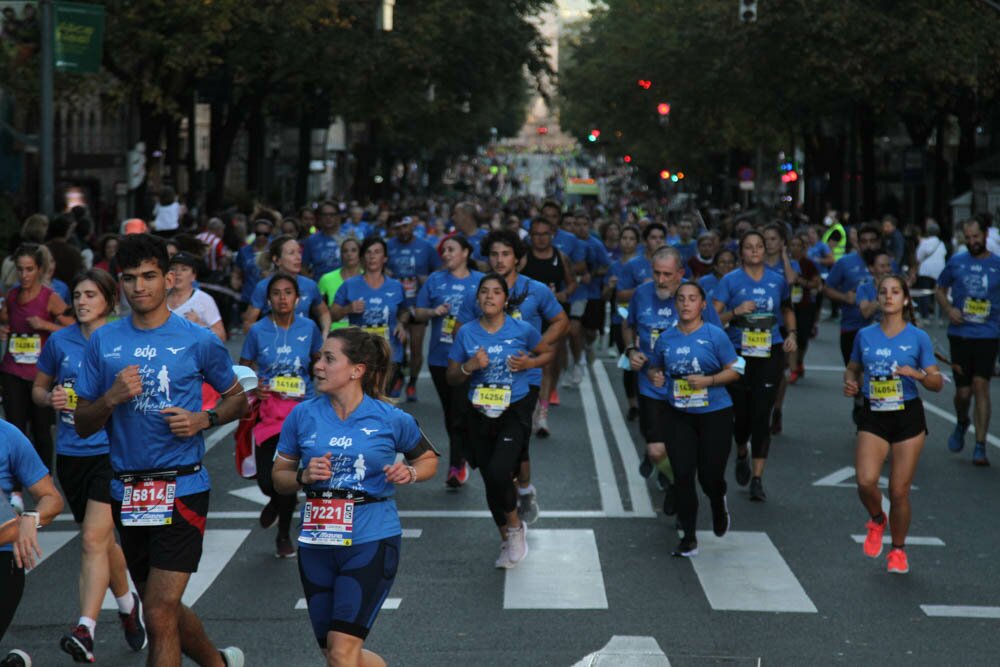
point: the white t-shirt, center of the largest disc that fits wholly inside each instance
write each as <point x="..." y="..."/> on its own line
<point x="203" y="305"/>
<point x="931" y="256"/>
<point x="167" y="217"/>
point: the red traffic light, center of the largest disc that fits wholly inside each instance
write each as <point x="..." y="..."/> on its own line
<point x="595" y="132"/>
<point x="663" y="108"/>
<point x="680" y="175"/>
<point x="645" y="84"/>
<point x="664" y="174"/>
<point x="627" y="159"/>
<point x="790" y="177"/>
<point x="543" y="130"/>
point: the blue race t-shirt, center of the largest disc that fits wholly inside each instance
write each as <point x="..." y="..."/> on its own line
<point x="513" y="337"/>
<point x="819" y="251"/>
<point x="443" y="287"/>
<point x="361" y="445"/>
<point x="246" y="261"/>
<point x="975" y="291"/>
<point x="637" y="271"/>
<point x="596" y="258"/>
<point x="410" y="261"/>
<point x="19" y="463"/>
<point x="284" y="354"/>
<point x="61" y="359"/>
<point x="617" y="269"/>
<point x="768" y="293"/>
<point x="174" y="360"/>
<point x="381" y="307"/>
<point x="705" y="351"/>
<point x="308" y="295"/>
<point x="845" y="276"/>
<point x="866" y="292"/>
<point x="322" y="253"/>
<point x="708" y="283"/>
<point x="880" y="356"/>
<point x="476" y="240"/>
<point x="779" y="268"/>
<point x="687" y="250"/>
<point x="569" y="245"/>
<point x="649" y="317"/>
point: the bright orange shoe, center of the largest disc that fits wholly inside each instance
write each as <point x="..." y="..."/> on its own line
<point x="897" y="562"/>
<point x="554" y="397"/>
<point x="873" y="542"/>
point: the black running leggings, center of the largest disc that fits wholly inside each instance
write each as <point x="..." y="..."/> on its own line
<point x="753" y="399"/>
<point x="11" y="589"/>
<point x="699" y="443"/>
<point x="805" y="318"/>
<point x="33" y="421"/>
<point x="264" y="456"/>
<point x="629" y="378"/>
<point x="498" y="444"/>
<point x="454" y="402"/>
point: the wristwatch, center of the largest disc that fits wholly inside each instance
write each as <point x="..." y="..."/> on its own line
<point x="213" y="418"/>
<point x="38" y="518"/>
<point x="298" y="477"/>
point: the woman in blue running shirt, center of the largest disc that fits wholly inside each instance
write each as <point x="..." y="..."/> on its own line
<point x="285" y="254"/>
<point x="341" y="446"/>
<point x="694" y="360"/>
<point x="84" y="469"/>
<point x="281" y="348"/>
<point x="439" y="300"/>
<point x="628" y="244"/>
<point x="890" y="358"/>
<point x="491" y="355"/>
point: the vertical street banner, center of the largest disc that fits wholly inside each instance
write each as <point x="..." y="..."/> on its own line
<point x="78" y="38"/>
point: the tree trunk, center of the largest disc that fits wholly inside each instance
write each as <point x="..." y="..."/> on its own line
<point x="966" y="151"/>
<point x="227" y="119"/>
<point x="869" y="173"/>
<point x="303" y="158"/>
<point x="939" y="194"/>
<point x="256" y="145"/>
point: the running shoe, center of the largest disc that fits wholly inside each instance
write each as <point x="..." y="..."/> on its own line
<point x="720" y="517"/>
<point x="669" y="500"/>
<point x="794" y="376"/>
<point x="527" y="507"/>
<point x="898" y="563"/>
<point x="646" y="467"/>
<point x="543" y="422"/>
<point x="633" y="413"/>
<point x="283" y="548"/>
<point x="757" y="490"/>
<point x="411" y="393"/>
<point x="577" y="374"/>
<point x="268" y="515"/>
<point x="16" y="501"/>
<point x="463" y="474"/>
<point x="979" y="455"/>
<point x="517" y="544"/>
<point x="503" y="561"/>
<point x="452" y="480"/>
<point x="16" y="658"/>
<point x="687" y="548"/>
<point x="135" y="631"/>
<point x="567" y="378"/>
<point x="79" y="644"/>
<point x="776" y="422"/>
<point x="661" y="481"/>
<point x="554" y="398"/>
<point x="873" y="541"/>
<point x="232" y="656"/>
<point x="743" y="469"/>
<point x="397" y="388"/>
<point x="957" y="439"/>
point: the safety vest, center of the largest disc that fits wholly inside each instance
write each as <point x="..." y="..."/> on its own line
<point x="840" y="247"/>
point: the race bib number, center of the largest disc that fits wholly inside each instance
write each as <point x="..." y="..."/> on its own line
<point x="149" y="502"/>
<point x="25" y="348"/>
<point x="756" y="343"/>
<point x="68" y="414"/>
<point x="886" y="394"/>
<point x="327" y="521"/>
<point x="409" y="287"/>
<point x="976" y="311"/>
<point x="289" y="385"/>
<point x="577" y="308"/>
<point x="491" y="400"/>
<point x="654" y="334"/>
<point x="448" y="323"/>
<point x="382" y="332"/>
<point x="797" y="293"/>
<point x="686" y="396"/>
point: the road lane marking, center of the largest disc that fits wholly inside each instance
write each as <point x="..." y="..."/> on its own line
<point x="949" y="417"/>
<point x="219" y="433"/>
<point x="611" y="501"/>
<point x="51" y="541"/>
<point x="218" y="548"/>
<point x="910" y="540"/>
<point x="960" y="611"/>
<point x="561" y="571"/>
<point x="388" y="605"/>
<point x="839" y="479"/>
<point x="638" y="490"/>
<point x="644" y="651"/>
<point x="429" y="514"/>
<point x="744" y="571"/>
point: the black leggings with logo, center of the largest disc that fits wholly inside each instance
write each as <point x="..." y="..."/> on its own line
<point x="753" y="400"/>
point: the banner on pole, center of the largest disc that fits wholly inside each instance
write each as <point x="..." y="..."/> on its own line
<point x="79" y="37"/>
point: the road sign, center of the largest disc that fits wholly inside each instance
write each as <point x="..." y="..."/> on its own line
<point x="746" y="185"/>
<point x="745" y="174"/>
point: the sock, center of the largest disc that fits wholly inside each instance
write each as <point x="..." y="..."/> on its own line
<point x="898" y="546"/>
<point x="88" y="623"/>
<point x="880" y="518"/>
<point x="125" y="603"/>
<point x="962" y="426"/>
<point x="526" y="490"/>
<point x="665" y="467"/>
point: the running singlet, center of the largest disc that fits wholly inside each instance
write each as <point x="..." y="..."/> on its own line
<point x="174" y="360"/>
<point x="880" y="356"/>
<point x="549" y="272"/>
<point x="61" y="359"/>
<point x="768" y="293"/>
<point x="322" y="253"/>
<point x="24" y="344"/>
<point x="705" y="351"/>
<point x="361" y="445"/>
<point x="494" y="388"/>
<point x="283" y="355"/>
<point x="975" y="291"/>
<point x="442" y="287"/>
<point x="381" y="306"/>
<point x="648" y="318"/>
<point x="19" y="463"/>
<point x="308" y="295"/>
<point x="409" y="261"/>
<point x="637" y="271"/>
<point x="845" y="276"/>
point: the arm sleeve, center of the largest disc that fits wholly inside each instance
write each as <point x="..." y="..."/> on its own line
<point x="211" y="309"/>
<point x="947" y="276"/>
<point x="27" y="465"/>
<point x="317" y="339"/>
<point x="724" y="347"/>
<point x="532" y="337"/>
<point x="721" y="292"/>
<point x="457" y="350"/>
<point x="342" y="298"/>
<point x="836" y="277"/>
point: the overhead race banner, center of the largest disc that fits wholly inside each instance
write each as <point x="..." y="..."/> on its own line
<point x="79" y="36"/>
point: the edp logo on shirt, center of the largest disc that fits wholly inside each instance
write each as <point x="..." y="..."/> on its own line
<point x="147" y="352"/>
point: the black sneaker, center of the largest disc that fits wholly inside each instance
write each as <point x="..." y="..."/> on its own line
<point x="135" y="632"/>
<point x="757" y="490"/>
<point x="79" y="644"/>
<point x="268" y="515"/>
<point x="16" y="658"/>
<point x="669" y="501"/>
<point x="687" y="548"/>
<point x="283" y="548"/>
<point x="720" y="518"/>
<point x="646" y="467"/>
<point x="743" y="469"/>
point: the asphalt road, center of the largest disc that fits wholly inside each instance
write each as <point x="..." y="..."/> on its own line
<point x="788" y="586"/>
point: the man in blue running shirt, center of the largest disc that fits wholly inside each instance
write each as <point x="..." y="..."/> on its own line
<point x="141" y="378"/>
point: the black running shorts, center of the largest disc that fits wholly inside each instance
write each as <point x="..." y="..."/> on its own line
<point x="84" y="478"/>
<point x="975" y="356"/>
<point x="897" y="425"/>
<point x="175" y="547"/>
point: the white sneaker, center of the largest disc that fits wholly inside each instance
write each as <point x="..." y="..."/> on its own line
<point x="541" y="425"/>
<point x="16" y="658"/>
<point x="503" y="560"/>
<point x="232" y="656"/>
<point x="567" y="379"/>
<point x="517" y="544"/>
<point x="577" y="374"/>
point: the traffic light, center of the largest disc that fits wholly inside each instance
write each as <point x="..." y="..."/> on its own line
<point x="680" y="175"/>
<point x="664" y="175"/>
<point x="593" y="135"/>
<point x="645" y="84"/>
<point x="663" y="108"/>
<point x="627" y="159"/>
<point x="748" y="11"/>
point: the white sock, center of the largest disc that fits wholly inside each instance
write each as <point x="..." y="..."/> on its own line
<point x="89" y="623"/>
<point x="523" y="491"/>
<point x="125" y="603"/>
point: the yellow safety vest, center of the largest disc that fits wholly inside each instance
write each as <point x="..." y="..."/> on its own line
<point x="840" y="247"/>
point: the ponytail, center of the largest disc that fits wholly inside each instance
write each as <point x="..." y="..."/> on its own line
<point x="361" y="347"/>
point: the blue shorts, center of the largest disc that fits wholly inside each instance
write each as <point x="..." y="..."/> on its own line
<point x="346" y="586"/>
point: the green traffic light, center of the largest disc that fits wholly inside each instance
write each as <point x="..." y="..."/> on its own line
<point x="591" y="138"/>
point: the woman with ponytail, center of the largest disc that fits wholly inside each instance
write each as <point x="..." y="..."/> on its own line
<point x="341" y="448"/>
